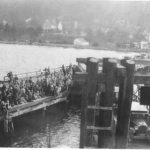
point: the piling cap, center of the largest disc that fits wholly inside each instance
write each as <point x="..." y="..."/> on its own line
<point x="130" y="62"/>
<point x="95" y="60"/>
<point x="112" y="60"/>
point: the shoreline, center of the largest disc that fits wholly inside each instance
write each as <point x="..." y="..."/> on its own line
<point x="73" y="46"/>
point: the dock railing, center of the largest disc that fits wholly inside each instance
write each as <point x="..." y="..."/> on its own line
<point x="34" y="74"/>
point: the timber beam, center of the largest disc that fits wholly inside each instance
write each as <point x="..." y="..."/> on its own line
<point x="84" y="60"/>
<point x="81" y="68"/>
<point x="145" y="62"/>
<point x="140" y="78"/>
<point x="81" y="60"/>
<point x="81" y="77"/>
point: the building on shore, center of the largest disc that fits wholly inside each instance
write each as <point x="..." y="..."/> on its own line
<point x="144" y="45"/>
<point x="81" y="42"/>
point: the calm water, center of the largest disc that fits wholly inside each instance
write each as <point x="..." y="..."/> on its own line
<point x="28" y="58"/>
<point x="59" y="127"/>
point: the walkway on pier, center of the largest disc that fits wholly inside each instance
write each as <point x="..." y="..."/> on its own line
<point x="19" y="96"/>
<point x="41" y="103"/>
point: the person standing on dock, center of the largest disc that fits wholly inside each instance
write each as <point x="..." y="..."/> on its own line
<point x="63" y="69"/>
<point x="16" y="90"/>
<point x="3" y="90"/>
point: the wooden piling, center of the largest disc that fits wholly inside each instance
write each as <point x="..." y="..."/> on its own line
<point x="6" y="121"/>
<point x="105" y="137"/>
<point x="124" y="104"/>
<point x="44" y="111"/>
<point x="11" y="126"/>
<point x="88" y="98"/>
<point x="92" y="65"/>
<point x="87" y="64"/>
<point x="83" y="116"/>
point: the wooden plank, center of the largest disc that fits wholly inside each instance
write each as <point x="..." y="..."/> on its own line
<point x="124" y="104"/>
<point x="138" y="113"/>
<point x="140" y="78"/>
<point x="92" y="64"/>
<point x="6" y="123"/>
<point x="89" y="147"/>
<point x="35" y="107"/>
<point x="28" y="104"/>
<point x="81" y="60"/>
<point x="83" y="116"/>
<point x="76" y="92"/>
<point x="35" y="102"/>
<point x="81" y="68"/>
<point x="84" y="60"/>
<point x="101" y="77"/>
<point x="141" y="74"/>
<point x="106" y="139"/>
<point x="99" y="128"/>
<point x="80" y="77"/>
<point x="121" y="71"/>
<point x="88" y="118"/>
<point x="145" y="62"/>
<point x="100" y="108"/>
<point x="92" y="70"/>
<point x="56" y="101"/>
<point x="1" y="118"/>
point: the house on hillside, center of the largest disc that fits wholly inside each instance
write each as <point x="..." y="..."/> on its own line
<point x="80" y="42"/>
<point x="60" y="27"/>
<point x="46" y="26"/>
<point x="144" y="45"/>
<point x="50" y="26"/>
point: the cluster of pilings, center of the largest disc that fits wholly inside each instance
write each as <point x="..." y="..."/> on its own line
<point x="103" y="117"/>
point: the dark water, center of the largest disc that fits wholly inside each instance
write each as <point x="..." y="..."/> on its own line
<point x="58" y="128"/>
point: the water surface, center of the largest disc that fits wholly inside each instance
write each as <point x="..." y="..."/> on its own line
<point x="28" y="58"/>
<point x="58" y="128"/>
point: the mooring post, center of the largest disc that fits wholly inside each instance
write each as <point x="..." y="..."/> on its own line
<point x="44" y="111"/>
<point x="11" y="125"/>
<point x="122" y="92"/>
<point x="88" y="98"/>
<point x="83" y="116"/>
<point x="106" y="138"/>
<point x="92" y="65"/>
<point x="87" y="65"/>
<point x="124" y="104"/>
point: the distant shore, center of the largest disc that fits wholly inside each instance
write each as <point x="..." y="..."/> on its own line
<point x="73" y="46"/>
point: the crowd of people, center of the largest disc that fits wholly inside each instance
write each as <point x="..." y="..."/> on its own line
<point x="22" y="90"/>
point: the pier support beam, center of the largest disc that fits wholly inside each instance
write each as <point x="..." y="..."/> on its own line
<point x="8" y="124"/>
<point x="106" y="138"/>
<point x="92" y="70"/>
<point x="44" y="111"/>
<point x="88" y="98"/>
<point x="124" y="104"/>
<point x="6" y="121"/>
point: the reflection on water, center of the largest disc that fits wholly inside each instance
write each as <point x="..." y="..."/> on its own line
<point x="60" y="127"/>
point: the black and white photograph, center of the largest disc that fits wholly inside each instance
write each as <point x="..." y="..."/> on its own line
<point x="75" y="74"/>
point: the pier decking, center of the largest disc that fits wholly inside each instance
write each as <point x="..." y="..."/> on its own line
<point x="41" y="103"/>
<point x="98" y="78"/>
<point x="28" y="107"/>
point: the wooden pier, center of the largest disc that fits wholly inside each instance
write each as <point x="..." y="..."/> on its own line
<point x="28" y="107"/>
<point x="105" y="119"/>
